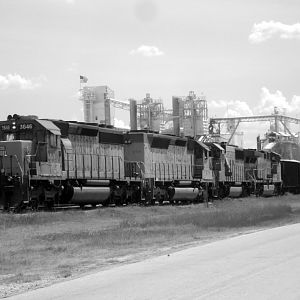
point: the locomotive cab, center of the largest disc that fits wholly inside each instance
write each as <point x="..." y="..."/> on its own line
<point x="29" y="151"/>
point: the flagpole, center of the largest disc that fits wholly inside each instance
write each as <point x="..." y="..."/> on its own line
<point x="80" y="83"/>
<point x="82" y="79"/>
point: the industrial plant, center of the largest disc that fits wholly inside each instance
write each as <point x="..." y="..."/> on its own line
<point x="189" y="117"/>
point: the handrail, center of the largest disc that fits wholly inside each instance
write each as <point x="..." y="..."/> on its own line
<point x="97" y="156"/>
<point x="20" y="167"/>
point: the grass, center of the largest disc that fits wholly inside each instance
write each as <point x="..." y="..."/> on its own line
<point x="235" y="215"/>
<point x="37" y="246"/>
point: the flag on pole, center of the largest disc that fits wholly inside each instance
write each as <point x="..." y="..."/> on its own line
<point x="83" y="79"/>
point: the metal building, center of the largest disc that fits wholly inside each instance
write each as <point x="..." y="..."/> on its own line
<point x="99" y="106"/>
<point x="192" y="115"/>
<point x="150" y="113"/>
<point x="95" y="109"/>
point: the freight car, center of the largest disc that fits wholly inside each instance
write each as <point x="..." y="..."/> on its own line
<point x="290" y="170"/>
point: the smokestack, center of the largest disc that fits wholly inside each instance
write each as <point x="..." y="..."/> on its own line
<point x="176" y="125"/>
<point x="107" y="112"/>
<point x="133" y="114"/>
<point x="258" y="143"/>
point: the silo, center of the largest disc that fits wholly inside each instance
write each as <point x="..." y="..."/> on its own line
<point x="133" y="114"/>
<point x="176" y="124"/>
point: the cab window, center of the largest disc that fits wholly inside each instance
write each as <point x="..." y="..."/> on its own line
<point x="53" y="139"/>
<point x="10" y="137"/>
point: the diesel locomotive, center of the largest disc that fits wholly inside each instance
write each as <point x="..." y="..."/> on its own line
<point x="45" y="163"/>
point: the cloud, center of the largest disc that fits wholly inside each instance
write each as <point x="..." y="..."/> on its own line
<point x="233" y="108"/>
<point x="277" y="99"/>
<point x="120" y="124"/>
<point x="268" y="100"/>
<point x="295" y="104"/>
<point x="19" y="82"/>
<point x="267" y="29"/>
<point x="76" y="95"/>
<point x="145" y="50"/>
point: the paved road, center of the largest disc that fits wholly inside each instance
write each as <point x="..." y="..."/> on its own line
<point x="261" y="265"/>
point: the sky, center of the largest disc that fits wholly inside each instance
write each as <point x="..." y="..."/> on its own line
<point x="243" y="55"/>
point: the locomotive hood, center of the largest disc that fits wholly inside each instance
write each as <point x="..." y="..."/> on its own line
<point x="49" y="126"/>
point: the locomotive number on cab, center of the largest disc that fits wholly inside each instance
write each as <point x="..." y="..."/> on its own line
<point x="25" y="126"/>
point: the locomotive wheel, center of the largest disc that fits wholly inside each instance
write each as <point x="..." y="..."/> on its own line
<point x="121" y="199"/>
<point x="221" y="193"/>
<point x="152" y="201"/>
<point x="117" y="201"/>
<point x="136" y="196"/>
<point x="106" y="203"/>
<point x="34" y="204"/>
<point x="199" y="198"/>
<point x="126" y="200"/>
<point x="161" y="200"/>
<point x="149" y="200"/>
<point x="49" y="205"/>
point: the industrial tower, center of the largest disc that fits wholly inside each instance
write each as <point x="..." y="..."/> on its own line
<point x="150" y="113"/>
<point x="190" y="115"/>
<point x="94" y="102"/>
<point x="99" y="103"/>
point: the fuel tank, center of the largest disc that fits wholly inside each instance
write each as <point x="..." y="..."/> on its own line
<point x="90" y="195"/>
<point x="185" y="194"/>
<point x="235" y="191"/>
<point x="98" y="183"/>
